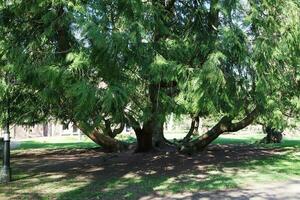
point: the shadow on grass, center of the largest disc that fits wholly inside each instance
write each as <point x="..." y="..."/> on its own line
<point x="135" y="188"/>
<point x="92" y="174"/>
<point x="191" y="181"/>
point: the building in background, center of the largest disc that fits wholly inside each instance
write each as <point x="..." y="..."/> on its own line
<point x="44" y="130"/>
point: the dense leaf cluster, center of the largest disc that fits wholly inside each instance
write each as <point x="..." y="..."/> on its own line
<point x="88" y="61"/>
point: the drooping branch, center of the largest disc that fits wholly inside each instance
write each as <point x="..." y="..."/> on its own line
<point x="244" y="122"/>
<point x="224" y="125"/>
<point x="108" y="143"/>
<point x="213" y="22"/>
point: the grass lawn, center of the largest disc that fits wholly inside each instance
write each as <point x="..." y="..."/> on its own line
<point x="108" y="176"/>
<point x="55" y="143"/>
<point x="67" y="142"/>
<point x="85" y="143"/>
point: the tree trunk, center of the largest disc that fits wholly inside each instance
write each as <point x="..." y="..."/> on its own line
<point x="144" y="141"/>
<point x="224" y="125"/>
<point x="205" y="139"/>
<point x="158" y="134"/>
<point x="151" y="135"/>
<point x="196" y="128"/>
<point x="153" y="127"/>
<point x="273" y="135"/>
<point x="144" y="137"/>
<point x="193" y="129"/>
<point x="158" y="137"/>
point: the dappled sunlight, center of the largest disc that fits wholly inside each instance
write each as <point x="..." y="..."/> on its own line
<point x="149" y="99"/>
<point x="92" y="173"/>
<point x="94" y="169"/>
<point x="190" y="183"/>
<point x="122" y="183"/>
<point x="46" y="185"/>
<point x="277" y="167"/>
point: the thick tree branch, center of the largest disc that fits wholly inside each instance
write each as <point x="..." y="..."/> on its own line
<point x="244" y="122"/>
<point x="108" y="143"/>
<point x="224" y="125"/>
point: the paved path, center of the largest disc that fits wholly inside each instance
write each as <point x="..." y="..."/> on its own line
<point x="289" y="190"/>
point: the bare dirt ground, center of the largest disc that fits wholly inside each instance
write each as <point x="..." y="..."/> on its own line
<point x="94" y="164"/>
<point x="73" y="162"/>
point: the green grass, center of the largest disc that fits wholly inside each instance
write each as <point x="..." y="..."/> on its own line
<point x="25" y="145"/>
<point x="254" y="139"/>
<point x="225" y="176"/>
<point x="75" y="143"/>
<point x="277" y="167"/>
<point x="64" y="143"/>
<point x="56" y="143"/>
<point x="134" y="186"/>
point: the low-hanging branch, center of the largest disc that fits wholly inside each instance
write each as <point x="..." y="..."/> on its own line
<point x="224" y="125"/>
<point x="100" y="137"/>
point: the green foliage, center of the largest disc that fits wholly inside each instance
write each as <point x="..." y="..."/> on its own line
<point x="84" y="61"/>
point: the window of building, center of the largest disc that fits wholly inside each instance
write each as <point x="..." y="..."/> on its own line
<point x="65" y="126"/>
<point x="75" y="128"/>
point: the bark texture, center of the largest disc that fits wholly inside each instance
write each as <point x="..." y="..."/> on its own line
<point x="103" y="139"/>
<point x="144" y="138"/>
<point x="193" y="129"/>
<point x="152" y="131"/>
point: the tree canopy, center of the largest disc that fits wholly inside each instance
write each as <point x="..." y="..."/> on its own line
<point x="101" y="64"/>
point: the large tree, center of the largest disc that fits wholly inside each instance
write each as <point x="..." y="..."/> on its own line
<point x="100" y="64"/>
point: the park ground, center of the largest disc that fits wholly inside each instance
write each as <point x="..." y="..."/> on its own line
<point x="234" y="167"/>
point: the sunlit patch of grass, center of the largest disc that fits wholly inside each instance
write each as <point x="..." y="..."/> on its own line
<point x="126" y="138"/>
<point x="235" y="140"/>
<point x="75" y="143"/>
<point x="56" y="143"/>
<point x="286" y="143"/>
<point x="135" y="187"/>
<point x="192" y="183"/>
<point x="253" y="139"/>
<point x="64" y="143"/>
<point x="275" y="167"/>
<point x="44" y="186"/>
<point x="281" y="165"/>
<point x="48" y="145"/>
